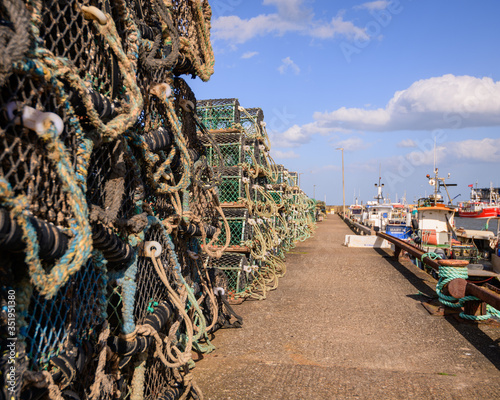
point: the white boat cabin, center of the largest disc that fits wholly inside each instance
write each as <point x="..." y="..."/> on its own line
<point x="435" y="221"/>
<point x="377" y="215"/>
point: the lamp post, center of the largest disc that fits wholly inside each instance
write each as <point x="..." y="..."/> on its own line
<point x="314" y="192"/>
<point x="343" y="186"/>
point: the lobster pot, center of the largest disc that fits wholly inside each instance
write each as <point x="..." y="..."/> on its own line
<point x="219" y="114"/>
<point x="232" y="150"/>
<point x="68" y="35"/>
<point x="112" y="183"/>
<point x="232" y="187"/>
<point x="232" y="272"/>
<point x="54" y="326"/>
<point x="258" y="196"/>
<point x="293" y="178"/>
<point x="241" y="230"/>
<point x="276" y="193"/>
<point x="251" y="120"/>
<point x="262" y="157"/>
<point x="251" y="152"/>
<point x="260" y="154"/>
<point x="281" y="171"/>
<point x="192" y="20"/>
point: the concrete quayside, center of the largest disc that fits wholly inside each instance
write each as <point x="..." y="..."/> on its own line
<point x="348" y="323"/>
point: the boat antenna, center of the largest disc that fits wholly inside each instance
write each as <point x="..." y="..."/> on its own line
<point x="435" y="153"/>
<point x="380" y="196"/>
<point x="436" y="181"/>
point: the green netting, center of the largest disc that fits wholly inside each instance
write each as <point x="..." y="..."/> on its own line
<point x="237" y="219"/>
<point x="231" y="155"/>
<point x="236" y="229"/>
<point x="232" y="268"/>
<point x="219" y="113"/>
<point x="250" y="150"/>
<point x="293" y="178"/>
<point x="71" y="315"/>
<point x="277" y="196"/>
<point x="230" y="189"/>
<point x="251" y="120"/>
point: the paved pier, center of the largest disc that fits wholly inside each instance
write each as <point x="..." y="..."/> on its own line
<point x="347" y="323"/>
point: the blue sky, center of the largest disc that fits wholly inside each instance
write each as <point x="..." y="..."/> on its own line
<point x="382" y="79"/>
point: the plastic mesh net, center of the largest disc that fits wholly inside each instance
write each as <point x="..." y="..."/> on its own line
<point x="72" y="313"/>
<point x="219" y="113"/>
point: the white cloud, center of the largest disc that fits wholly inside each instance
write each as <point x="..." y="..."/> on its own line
<point x="443" y="102"/>
<point x="249" y="54"/>
<point x="290" y="9"/>
<point x="446" y="102"/>
<point x="399" y="168"/>
<point x="281" y="155"/>
<point x="292" y="137"/>
<point x="237" y="30"/>
<point x="374" y="5"/>
<point x="298" y="135"/>
<point x="407" y="143"/>
<point x="483" y="150"/>
<point x="352" y="143"/>
<point x="291" y="16"/>
<point x="338" y="27"/>
<point x="287" y="64"/>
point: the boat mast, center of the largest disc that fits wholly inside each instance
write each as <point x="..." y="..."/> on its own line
<point x="380" y="196"/>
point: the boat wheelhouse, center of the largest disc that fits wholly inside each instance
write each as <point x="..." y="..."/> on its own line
<point x="378" y="211"/>
<point x="356" y="211"/>
<point x="434" y="221"/>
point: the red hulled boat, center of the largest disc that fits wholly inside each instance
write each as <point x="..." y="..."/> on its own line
<point x="478" y="209"/>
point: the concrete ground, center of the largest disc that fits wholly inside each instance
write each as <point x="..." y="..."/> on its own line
<point x="347" y="323"/>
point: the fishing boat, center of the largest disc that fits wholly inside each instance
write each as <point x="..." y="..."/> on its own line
<point x="399" y="223"/>
<point x="356" y="211"/>
<point x="477" y="209"/>
<point x="478" y="206"/>
<point x="435" y="232"/>
<point x="378" y="211"/>
<point x="434" y="222"/>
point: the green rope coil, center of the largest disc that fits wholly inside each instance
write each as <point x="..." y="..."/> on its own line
<point x="446" y="275"/>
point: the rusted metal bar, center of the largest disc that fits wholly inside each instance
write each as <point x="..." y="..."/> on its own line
<point x="418" y="253"/>
<point x="228" y="130"/>
<point x="460" y="288"/>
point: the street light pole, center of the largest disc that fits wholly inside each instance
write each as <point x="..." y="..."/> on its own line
<point x="343" y="186"/>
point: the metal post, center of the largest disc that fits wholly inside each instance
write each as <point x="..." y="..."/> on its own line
<point x="343" y="186"/>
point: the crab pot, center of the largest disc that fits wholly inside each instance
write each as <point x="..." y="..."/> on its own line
<point x="231" y="146"/>
<point x="277" y="195"/>
<point x="231" y="272"/>
<point x="241" y="230"/>
<point x="252" y="120"/>
<point x="281" y="172"/>
<point x="293" y="178"/>
<point x="219" y="114"/>
<point x="56" y="325"/>
<point x="232" y="186"/>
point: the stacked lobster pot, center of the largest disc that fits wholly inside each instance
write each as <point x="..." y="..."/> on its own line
<point x="105" y="195"/>
<point x="256" y="196"/>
